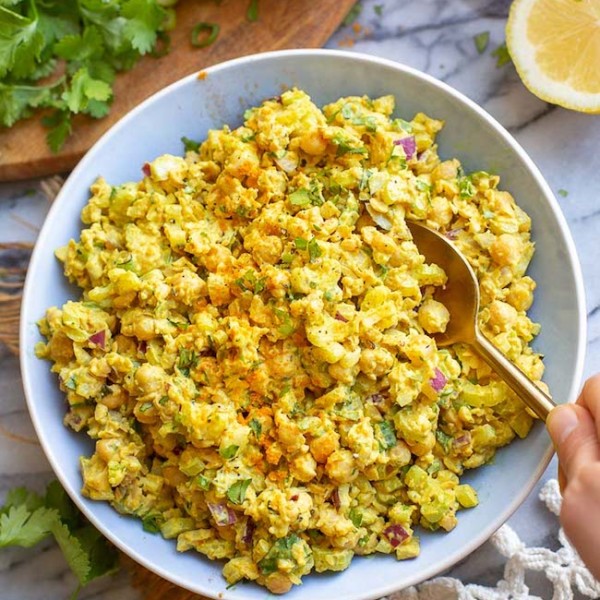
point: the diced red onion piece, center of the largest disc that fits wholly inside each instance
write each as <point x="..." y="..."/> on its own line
<point x="341" y="318"/>
<point x="409" y="145"/>
<point x="463" y="440"/>
<point x="99" y="338"/>
<point x="222" y="514"/>
<point x="395" y="534"/>
<point x="452" y="234"/>
<point x="249" y="532"/>
<point x="335" y="498"/>
<point x="376" y="398"/>
<point x="146" y="169"/>
<point x="439" y="381"/>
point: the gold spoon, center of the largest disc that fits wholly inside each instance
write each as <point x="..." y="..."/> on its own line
<point x="461" y="297"/>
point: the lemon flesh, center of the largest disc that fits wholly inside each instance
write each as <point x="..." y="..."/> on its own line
<point x="555" y="46"/>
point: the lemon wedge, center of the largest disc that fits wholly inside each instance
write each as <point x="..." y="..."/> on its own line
<point x="555" y="46"/>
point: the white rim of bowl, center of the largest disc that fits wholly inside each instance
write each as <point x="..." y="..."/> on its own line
<point x="500" y="518"/>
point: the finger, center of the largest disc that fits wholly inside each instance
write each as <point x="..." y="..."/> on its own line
<point x="562" y="479"/>
<point x="573" y="431"/>
<point x="590" y="398"/>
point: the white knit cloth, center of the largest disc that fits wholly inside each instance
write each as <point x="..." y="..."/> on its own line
<point x="563" y="568"/>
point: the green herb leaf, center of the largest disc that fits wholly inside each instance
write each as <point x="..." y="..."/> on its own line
<point x="188" y="359"/>
<point x="300" y="197"/>
<point x="353" y="14"/>
<point x="314" y="250"/>
<point x="481" y="41"/>
<point x="144" y="18"/>
<point x="84" y="88"/>
<point x="502" y="55"/>
<point x="237" y="492"/>
<point x="444" y="440"/>
<point x="281" y="549"/>
<point x="252" y="12"/>
<point x="150" y="524"/>
<point x="59" y="129"/>
<point x="229" y="452"/>
<point x="466" y="188"/>
<point x="21" y="527"/>
<point x="203" y="482"/>
<point x="256" y="427"/>
<point x="378" y="9"/>
<point x="343" y="146"/>
<point x="301" y="243"/>
<point x="387" y="434"/>
<point x="356" y="517"/>
<point x="563" y="193"/>
<point x="190" y="145"/>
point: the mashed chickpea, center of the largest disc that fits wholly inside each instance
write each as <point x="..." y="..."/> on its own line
<point x="253" y="350"/>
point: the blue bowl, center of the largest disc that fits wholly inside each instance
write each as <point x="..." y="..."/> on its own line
<point x="191" y="107"/>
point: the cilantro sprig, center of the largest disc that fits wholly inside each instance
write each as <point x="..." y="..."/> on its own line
<point x="28" y="518"/>
<point x="89" y="40"/>
<point x="62" y="56"/>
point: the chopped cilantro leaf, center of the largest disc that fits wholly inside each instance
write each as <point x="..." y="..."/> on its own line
<point x="300" y="197"/>
<point x="229" y="451"/>
<point x="353" y="14"/>
<point x="188" y="359"/>
<point x="252" y="12"/>
<point x="563" y="193"/>
<point x="301" y="243"/>
<point x="444" y="440"/>
<point x="190" y="145"/>
<point x="150" y="524"/>
<point x="502" y="55"/>
<point x="256" y="427"/>
<point x="314" y="250"/>
<point x="237" y="492"/>
<point x="356" y="517"/>
<point x="387" y="435"/>
<point x="281" y="549"/>
<point x="378" y="9"/>
<point x="481" y="41"/>
<point x="203" y="482"/>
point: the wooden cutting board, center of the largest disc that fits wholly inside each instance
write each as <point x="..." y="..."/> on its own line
<point x="281" y="24"/>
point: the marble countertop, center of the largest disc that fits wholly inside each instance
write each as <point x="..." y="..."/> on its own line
<point x="436" y="36"/>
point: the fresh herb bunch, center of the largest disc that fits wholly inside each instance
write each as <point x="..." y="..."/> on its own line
<point x="63" y="55"/>
<point x="28" y="518"/>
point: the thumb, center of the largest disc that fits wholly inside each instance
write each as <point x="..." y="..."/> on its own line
<point x="573" y="432"/>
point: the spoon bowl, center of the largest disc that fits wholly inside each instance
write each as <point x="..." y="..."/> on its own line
<point x="460" y="295"/>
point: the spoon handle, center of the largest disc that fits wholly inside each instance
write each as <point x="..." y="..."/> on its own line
<point x="539" y="402"/>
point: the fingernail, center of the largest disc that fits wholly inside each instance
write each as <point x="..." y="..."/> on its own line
<point x="561" y="422"/>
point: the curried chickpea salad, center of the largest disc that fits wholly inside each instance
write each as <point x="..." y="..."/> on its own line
<point x="253" y="348"/>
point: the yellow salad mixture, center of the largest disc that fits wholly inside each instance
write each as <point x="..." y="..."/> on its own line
<point x="253" y="351"/>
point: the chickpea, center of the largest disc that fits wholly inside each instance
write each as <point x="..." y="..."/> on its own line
<point x="340" y="466"/>
<point x="278" y="583"/>
<point x="149" y="378"/>
<point x="375" y="362"/>
<point x="304" y="467"/>
<point x="506" y="249"/>
<point x="520" y="293"/>
<point x="107" y="448"/>
<point x="115" y="399"/>
<point x="433" y="316"/>
<point x="502" y="315"/>
<point x="324" y="445"/>
<point x="313" y="143"/>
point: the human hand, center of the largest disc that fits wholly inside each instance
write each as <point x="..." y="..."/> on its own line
<point x="575" y="431"/>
